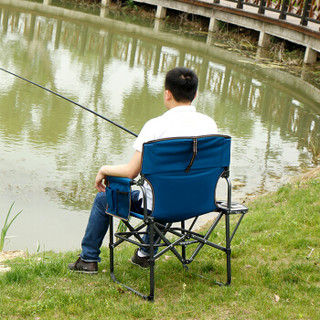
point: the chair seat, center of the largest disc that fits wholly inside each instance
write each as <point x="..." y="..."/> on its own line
<point x="136" y="215"/>
<point x="236" y="208"/>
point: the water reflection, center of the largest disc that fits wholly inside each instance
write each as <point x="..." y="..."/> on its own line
<point x="51" y="149"/>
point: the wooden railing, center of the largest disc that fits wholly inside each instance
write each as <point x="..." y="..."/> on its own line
<point x="305" y="10"/>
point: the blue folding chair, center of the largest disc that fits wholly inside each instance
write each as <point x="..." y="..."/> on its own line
<point x="183" y="174"/>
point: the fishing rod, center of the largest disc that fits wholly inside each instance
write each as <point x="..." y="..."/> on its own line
<point x="76" y="103"/>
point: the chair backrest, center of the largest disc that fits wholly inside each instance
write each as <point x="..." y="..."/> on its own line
<point x="183" y="173"/>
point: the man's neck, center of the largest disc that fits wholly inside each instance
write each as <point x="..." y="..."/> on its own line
<point x="175" y="104"/>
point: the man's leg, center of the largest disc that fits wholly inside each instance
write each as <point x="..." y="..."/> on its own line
<point x="96" y="230"/>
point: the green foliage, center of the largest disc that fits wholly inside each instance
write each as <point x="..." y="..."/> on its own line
<point x="6" y="227"/>
<point x="121" y="226"/>
<point x="131" y="5"/>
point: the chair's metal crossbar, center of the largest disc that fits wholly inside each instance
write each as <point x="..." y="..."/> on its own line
<point x="184" y="236"/>
<point x="237" y="226"/>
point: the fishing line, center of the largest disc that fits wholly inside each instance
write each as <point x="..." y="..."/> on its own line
<point x="76" y="103"/>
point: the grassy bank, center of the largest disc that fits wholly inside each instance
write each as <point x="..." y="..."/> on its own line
<point x="276" y="274"/>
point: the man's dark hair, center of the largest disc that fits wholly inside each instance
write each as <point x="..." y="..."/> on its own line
<point x="183" y="84"/>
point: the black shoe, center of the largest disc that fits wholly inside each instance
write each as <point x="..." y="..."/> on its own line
<point x="84" y="267"/>
<point x="142" y="262"/>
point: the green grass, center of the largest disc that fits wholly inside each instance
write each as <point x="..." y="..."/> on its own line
<point x="275" y="261"/>
<point x="6" y="227"/>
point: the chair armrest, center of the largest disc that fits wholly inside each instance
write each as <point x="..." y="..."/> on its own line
<point x="121" y="180"/>
<point x="236" y="208"/>
<point x="118" y="193"/>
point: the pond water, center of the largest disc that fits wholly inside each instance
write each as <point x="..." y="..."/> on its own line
<point x="52" y="149"/>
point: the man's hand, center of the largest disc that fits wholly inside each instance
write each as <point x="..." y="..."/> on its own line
<point x="129" y="170"/>
<point x="100" y="178"/>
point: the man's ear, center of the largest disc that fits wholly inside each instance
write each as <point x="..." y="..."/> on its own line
<point x="167" y="95"/>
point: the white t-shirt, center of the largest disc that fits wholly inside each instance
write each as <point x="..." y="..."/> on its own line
<point x="181" y="121"/>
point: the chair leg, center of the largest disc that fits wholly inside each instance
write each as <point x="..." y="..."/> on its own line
<point x="111" y="248"/>
<point x="228" y="248"/>
<point x="183" y="248"/>
<point x="151" y="262"/>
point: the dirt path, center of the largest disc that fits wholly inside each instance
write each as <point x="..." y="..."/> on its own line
<point x="9" y="255"/>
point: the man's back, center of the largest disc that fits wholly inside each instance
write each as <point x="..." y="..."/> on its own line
<point x="181" y="121"/>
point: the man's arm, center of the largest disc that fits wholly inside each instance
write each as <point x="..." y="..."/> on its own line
<point x="129" y="170"/>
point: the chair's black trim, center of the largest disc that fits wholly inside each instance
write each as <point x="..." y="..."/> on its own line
<point x="189" y="137"/>
<point x="141" y="183"/>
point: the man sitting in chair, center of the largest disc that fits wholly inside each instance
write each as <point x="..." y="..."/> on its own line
<point x="180" y="120"/>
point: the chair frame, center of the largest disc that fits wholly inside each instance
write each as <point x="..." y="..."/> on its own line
<point x="185" y="236"/>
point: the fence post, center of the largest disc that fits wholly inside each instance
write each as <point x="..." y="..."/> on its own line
<point x="161" y="12"/>
<point x="310" y="56"/>
<point x="262" y="6"/>
<point x="284" y="9"/>
<point x="305" y="14"/>
<point x="213" y="24"/>
<point x="240" y="4"/>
